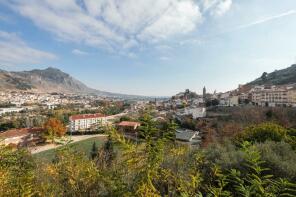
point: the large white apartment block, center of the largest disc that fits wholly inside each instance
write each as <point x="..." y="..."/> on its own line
<point x="84" y="122"/>
<point x="274" y="96"/>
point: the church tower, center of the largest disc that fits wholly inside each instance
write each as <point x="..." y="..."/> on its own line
<point x="204" y="92"/>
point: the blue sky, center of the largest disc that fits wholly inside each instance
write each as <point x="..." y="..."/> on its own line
<point x="150" y="47"/>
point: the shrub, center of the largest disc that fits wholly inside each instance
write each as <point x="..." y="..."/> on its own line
<point x="262" y="133"/>
<point x="280" y="158"/>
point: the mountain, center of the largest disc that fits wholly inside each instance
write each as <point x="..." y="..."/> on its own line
<point x="278" y="77"/>
<point x="44" y="81"/>
<point x="49" y="80"/>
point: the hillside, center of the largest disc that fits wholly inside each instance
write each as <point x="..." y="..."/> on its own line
<point x="43" y="81"/>
<point x="278" y="77"/>
<point x="51" y="80"/>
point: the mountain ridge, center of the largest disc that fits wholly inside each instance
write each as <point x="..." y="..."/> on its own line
<point x="49" y="80"/>
<point x="277" y="77"/>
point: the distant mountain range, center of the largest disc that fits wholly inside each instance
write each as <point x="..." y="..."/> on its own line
<point x="278" y="77"/>
<point x="50" y="80"/>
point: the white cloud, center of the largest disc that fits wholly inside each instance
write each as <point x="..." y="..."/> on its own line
<point x="216" y="7"/>
<point x="117" y="25"/>
<point x="79" y="52"/>
<point x="14" y="51"/>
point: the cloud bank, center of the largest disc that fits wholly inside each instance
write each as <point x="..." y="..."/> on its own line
<point x="117" y="25"/>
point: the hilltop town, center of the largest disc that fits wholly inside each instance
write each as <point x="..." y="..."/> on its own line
<point x="89" y="114"/>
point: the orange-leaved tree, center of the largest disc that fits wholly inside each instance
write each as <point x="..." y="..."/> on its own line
<point x="54" y="128"/>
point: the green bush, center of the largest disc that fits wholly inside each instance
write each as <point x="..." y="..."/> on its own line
<point x="280" y="158"/>
<point x="262" y="133"/>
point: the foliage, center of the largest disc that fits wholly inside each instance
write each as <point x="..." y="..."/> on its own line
<point x="158" y="166"/>
<point x="17" y="177"/>
<point x="263" y="132"/>
<point x="106" y="154"/>
<point x="212" y="102"/>
<point x="71" y="174"/>
<point x="54" y="128"/>
<point x="94" y="151"/>
<point x="280" y="158"/>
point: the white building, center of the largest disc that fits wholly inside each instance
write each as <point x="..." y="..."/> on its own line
<point x="274" y="96"/>
<point x="10" y="110"/>
<point x="196" y="112"/>
<point x="228" y="99"/>
<point x="83" y="122"/>
<point x="233" y="100"/>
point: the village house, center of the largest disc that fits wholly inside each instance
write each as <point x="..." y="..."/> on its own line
<point x="128" y="126"/>
<point x="22" y="137"/>
<point x="196" y="112"/>
<point x="186" y="135"/>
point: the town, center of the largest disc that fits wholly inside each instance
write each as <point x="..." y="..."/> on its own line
<point x="151" y="98"/>
<point x="23" y="114"/>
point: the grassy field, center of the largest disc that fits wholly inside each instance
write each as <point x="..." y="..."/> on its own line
<point x="83" y="146"/>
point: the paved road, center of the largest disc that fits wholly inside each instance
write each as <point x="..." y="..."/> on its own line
<point x="76" y="138"/>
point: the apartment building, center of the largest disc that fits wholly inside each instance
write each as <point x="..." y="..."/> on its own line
<point x="274" y="96"/>
<point x="84" y="122"/>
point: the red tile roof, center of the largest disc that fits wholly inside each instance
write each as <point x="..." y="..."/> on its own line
<point x="86" y="116"/>
<point x="19" y="132"/>
<point x="129" y="124"/>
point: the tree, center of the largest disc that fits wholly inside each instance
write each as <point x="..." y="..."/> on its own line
<point x="54" y="128"/>
<point x="94" y="151"/>
<point x="106" y="154"/>
<point x="169" y="131"/>
<point x="17" y="176"/>
<point x="212" y="102"/>
<point x="263" y="132"/>
<point x="264" y="76"/>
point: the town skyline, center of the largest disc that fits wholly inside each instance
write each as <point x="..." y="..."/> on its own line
<point x="217" y="44"/>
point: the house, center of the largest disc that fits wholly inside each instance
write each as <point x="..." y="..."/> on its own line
<point x="84" y="122"/>
<point x="187" y="135"/>
<point x="196" y="112"/>
<point x="128" y="126"/>
<point x="22" y="137"/>
<point x="233" y="100"/>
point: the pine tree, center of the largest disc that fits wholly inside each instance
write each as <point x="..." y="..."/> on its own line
<point x="94" y="151"/>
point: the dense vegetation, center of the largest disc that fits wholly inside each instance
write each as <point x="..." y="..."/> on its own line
<point x="226" y="122"/>
<point x="242" y="166"/>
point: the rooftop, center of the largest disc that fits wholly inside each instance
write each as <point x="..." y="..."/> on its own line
<point x="19" y="132"/>
<point x="86" y="116"/>
<point x="186" y="135"/>
<point x="129" y="124"/>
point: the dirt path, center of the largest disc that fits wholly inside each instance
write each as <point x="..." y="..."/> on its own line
<point x="76" y="138"/>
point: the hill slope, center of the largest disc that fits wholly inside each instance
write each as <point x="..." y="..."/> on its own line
<point x="51" y="80"/>
<point x="278" y="77"/>
<point x="44" y="81"/>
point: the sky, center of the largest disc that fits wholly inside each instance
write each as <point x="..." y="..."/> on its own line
<point x="150" y="47"/>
